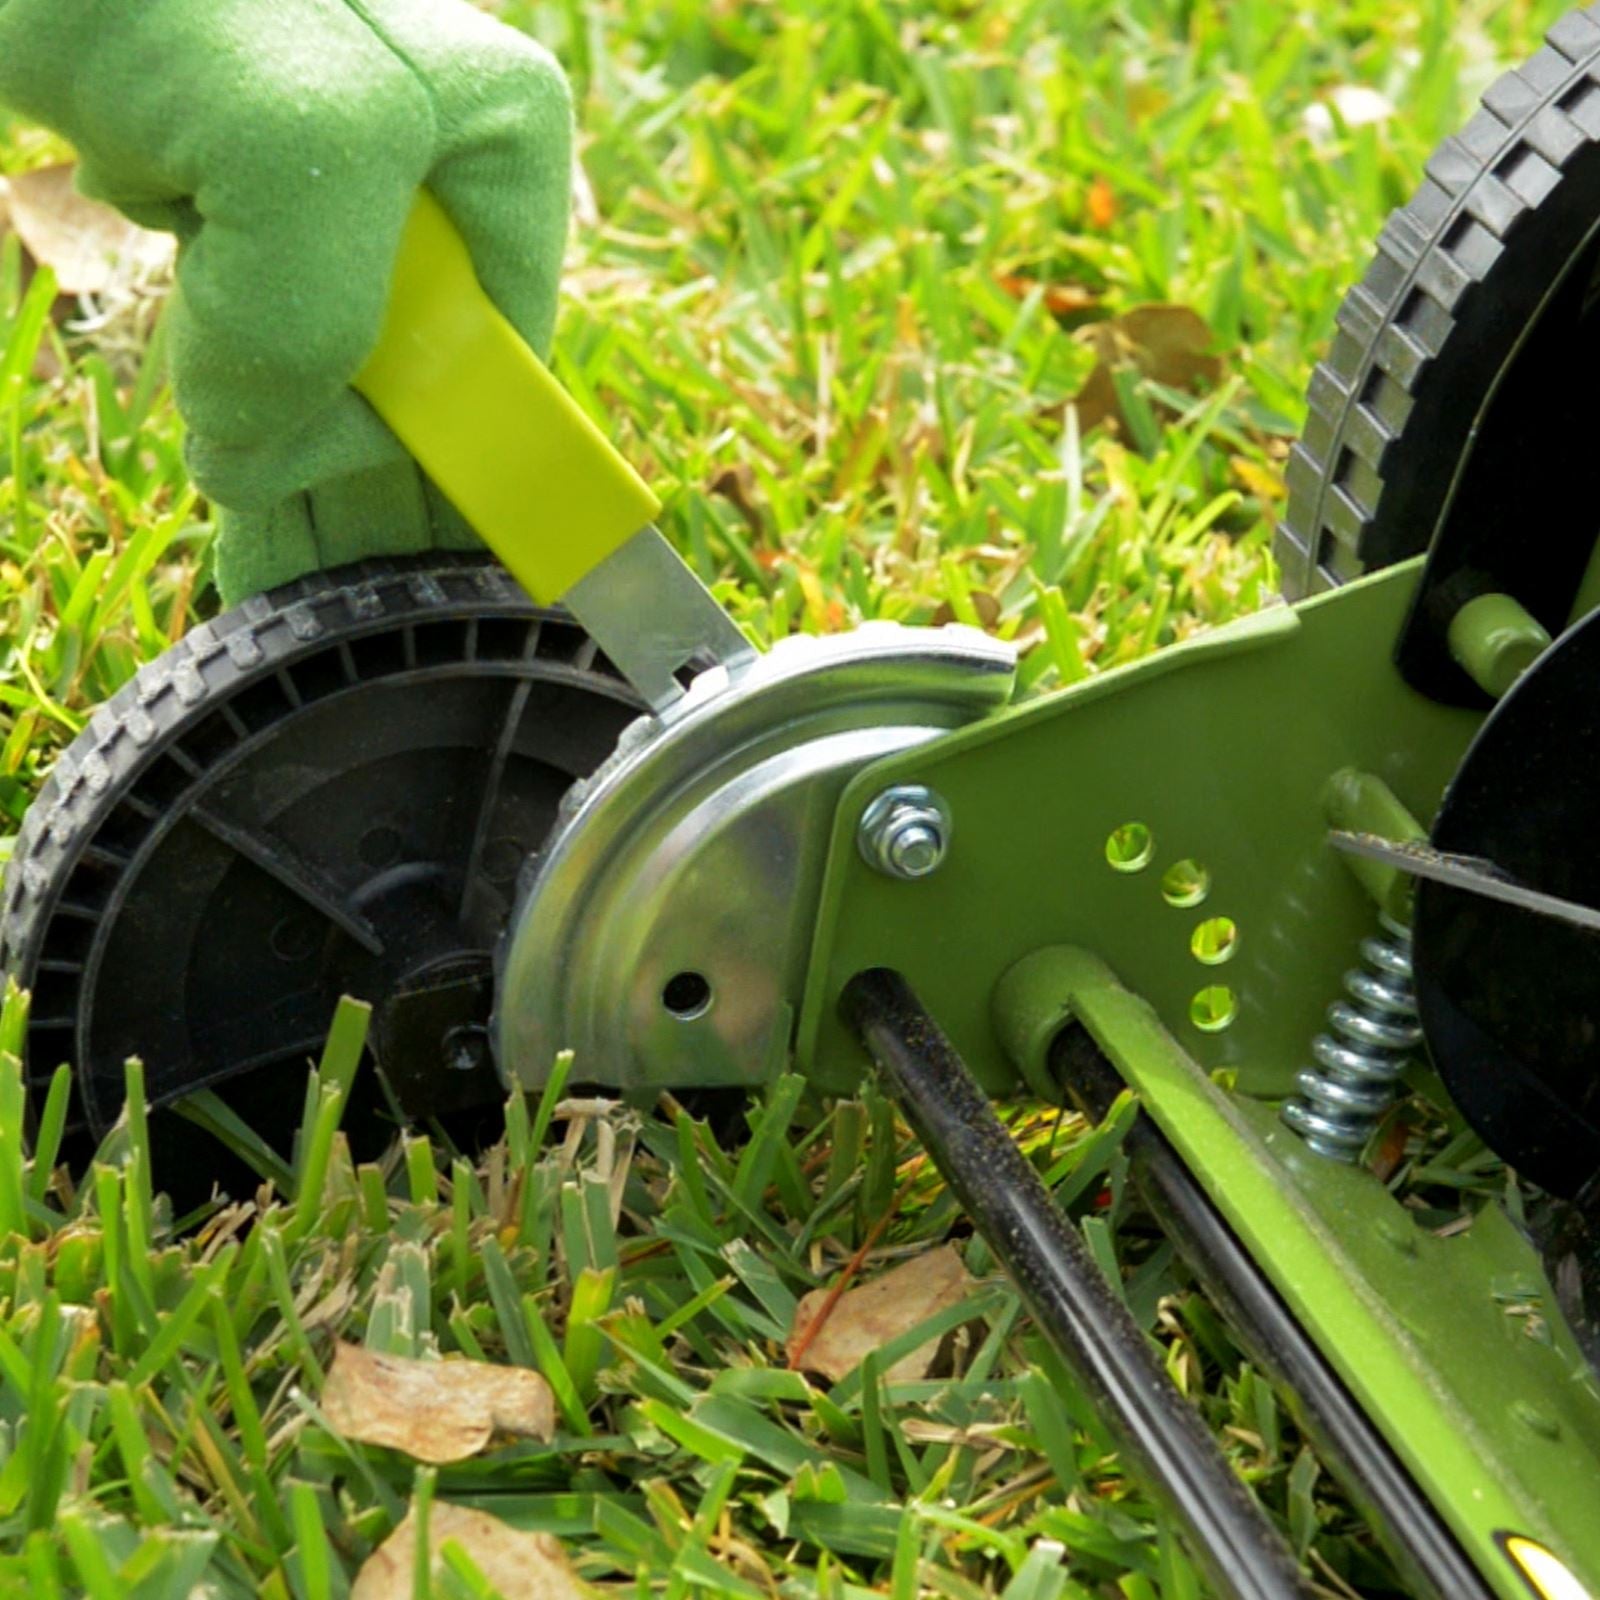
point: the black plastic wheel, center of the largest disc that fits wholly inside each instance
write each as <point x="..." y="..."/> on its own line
<point x="328" y="790"/>
<point x="1457" y="395"/>
<point x="1509" y="998"/>
<point x="1455" y="412"/>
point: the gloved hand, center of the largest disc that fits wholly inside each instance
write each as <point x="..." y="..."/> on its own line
<point x="283" y="142"/>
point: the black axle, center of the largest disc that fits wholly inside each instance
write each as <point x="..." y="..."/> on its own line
<point x="1424" y="1549"/>
<point x="1069" y="1297"/>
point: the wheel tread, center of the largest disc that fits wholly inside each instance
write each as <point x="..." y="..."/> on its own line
<point x="1403" y="319"/>
<point x="57" y="853"/>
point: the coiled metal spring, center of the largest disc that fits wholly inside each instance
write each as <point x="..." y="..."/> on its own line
<point x="1371" y="1035"/>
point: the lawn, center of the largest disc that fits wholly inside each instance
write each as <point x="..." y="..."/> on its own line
<point x="840" y="269"/>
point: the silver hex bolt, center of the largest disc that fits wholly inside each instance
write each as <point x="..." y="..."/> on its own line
<point x="905" y="832"/>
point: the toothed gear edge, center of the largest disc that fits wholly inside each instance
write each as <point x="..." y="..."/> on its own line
<point x="263" y="636"/>
<point x="1437" y="315"/>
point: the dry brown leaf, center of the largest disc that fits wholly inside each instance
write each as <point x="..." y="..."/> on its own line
<point x="1100" y="204"/>
<point x="91" y="249"/>
<point x="984" y="605"/>
<point x="1060" y="299"/>
<point x="522" y="1566"/>
<point x="1170" y="344"/>
<point x="866" y="1319"/>
<point x="737" y="484"/>
<point x="435" y="1411"/>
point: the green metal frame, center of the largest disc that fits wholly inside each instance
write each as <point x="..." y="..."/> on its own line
<point x="1223" y="748"/>
<point x="1453" y="1343"/>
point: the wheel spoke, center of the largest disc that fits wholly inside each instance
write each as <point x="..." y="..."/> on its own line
<point x="296" y="875"/>
<point x="515" y="709"/>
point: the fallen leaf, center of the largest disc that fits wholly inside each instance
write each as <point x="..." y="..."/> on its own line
<point x="521" y="1566"/>
<point x="1060" y="299"/>
<point x="865" y="1319"/>
<point x="1169" y="344"/>
<point x="1391" y="1149"/>
<point x="90" y="248"/>
<point x="437" y="1411"/>
<point x="737" y="484"/>
<point x="1101" y="204"/>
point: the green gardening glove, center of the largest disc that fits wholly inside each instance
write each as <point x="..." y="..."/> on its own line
<point x="283" y="141"/>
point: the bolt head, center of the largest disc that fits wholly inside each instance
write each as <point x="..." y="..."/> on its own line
<point x="916" y="849"/>
<point x="905" y="832"/>
<point x="465" y="1048"/>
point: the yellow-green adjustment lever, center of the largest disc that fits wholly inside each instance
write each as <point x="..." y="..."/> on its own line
<point x="541" y="484"/>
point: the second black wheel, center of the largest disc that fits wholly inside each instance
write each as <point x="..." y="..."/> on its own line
<point x="1455" y="402"/>
<point x="329" y="790"/>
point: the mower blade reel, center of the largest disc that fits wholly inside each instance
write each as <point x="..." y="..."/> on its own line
<point x="1476" y="874"/>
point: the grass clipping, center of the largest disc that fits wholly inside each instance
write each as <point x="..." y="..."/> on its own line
<point x="435" y="1411"/>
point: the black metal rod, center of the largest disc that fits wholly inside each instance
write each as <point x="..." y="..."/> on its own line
<point x="1063" y="1287"/>
<point x="1385" y="1492"/>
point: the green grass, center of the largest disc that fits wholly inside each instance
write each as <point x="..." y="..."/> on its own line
<point x="820" y="310"/>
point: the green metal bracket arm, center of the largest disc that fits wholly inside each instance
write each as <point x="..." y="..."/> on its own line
<point x="1453" y="1388"/>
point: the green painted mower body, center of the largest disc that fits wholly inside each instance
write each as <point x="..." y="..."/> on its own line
<point x="1217" y="764"/>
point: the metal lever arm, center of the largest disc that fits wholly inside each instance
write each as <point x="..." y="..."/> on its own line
<point x="539" y="482"/>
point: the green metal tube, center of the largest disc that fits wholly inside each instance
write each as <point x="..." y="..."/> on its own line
<point x="1430" y="1358"/>
<point x="1359" y="802"/>
<point x="1495" y="640"/>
